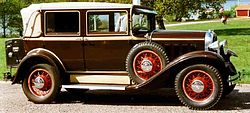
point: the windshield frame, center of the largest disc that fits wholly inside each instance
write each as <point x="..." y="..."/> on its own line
<point x="150" y="13"/>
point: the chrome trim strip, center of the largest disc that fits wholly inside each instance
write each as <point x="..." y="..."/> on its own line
<point x="59" y="38"/>
<point x="113" y="38"/>
<point x="179" y="39"/>
<point x="95" y="87"/>
<point x="105" y="38"/>
<point x="108" y="38"/>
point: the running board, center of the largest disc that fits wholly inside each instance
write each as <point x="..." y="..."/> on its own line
<point x="95" y="87"/>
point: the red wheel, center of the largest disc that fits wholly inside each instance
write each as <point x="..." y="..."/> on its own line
<point x="42" y="83"/>
<point x="199" y="86"/>
<point x="146" y="64"/>
<point x="39" y="82"/>
<point x="145" y="60"/>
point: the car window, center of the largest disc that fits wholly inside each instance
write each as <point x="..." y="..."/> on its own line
<point x="115" y="22"/>
<point x="58" y="23"/>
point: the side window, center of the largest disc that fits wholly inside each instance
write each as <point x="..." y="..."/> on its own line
<point x="61" y="23"/>
<point x="115" y="22"/>
<point x="98" y="23"/>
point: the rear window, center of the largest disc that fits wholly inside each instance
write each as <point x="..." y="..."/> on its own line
<point x="61" y="23"/>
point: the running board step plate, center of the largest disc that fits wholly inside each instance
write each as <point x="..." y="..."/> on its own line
<point x="95" y="87"/>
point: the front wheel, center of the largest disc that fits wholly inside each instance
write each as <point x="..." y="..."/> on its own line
<point x="42" y="83"/>
<point x="199" y="86"/>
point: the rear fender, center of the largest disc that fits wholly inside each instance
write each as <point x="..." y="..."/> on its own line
<point x="166" y="76"/>
<point x="34" y="57"/>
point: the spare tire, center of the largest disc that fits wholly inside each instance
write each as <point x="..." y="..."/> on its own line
<point x="145" y="60"/>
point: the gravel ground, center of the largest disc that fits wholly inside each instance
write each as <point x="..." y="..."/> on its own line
<point x="13" y="100"/>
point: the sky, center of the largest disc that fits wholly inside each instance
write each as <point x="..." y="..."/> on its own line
<point x="231" y="3"/>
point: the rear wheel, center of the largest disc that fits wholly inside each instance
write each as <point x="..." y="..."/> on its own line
<point x="199" y="86"/>
<point x="42" y="83"/>
<point x="145" y="60"/>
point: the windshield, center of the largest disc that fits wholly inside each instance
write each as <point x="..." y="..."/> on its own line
<point x="143" y="21"/>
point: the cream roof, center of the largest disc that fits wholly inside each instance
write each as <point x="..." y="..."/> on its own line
<point x="79" y="5"/>
<point x="33" y="8"/>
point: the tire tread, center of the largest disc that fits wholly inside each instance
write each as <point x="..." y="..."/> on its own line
<point x="217" y="74"/>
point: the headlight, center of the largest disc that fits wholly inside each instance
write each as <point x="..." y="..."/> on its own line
<point x="10" y="54"/>
<point x="210" y="37"/>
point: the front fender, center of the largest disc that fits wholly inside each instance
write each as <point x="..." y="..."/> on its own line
<point x="36" y="56"/>
<point x="167" y="75"/>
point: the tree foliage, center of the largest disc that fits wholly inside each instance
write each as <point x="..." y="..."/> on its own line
<point x="182" y="8"/>
<point x="10" y="17"/>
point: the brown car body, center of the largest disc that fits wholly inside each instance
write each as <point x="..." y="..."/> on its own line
<point x="92" y="60"/>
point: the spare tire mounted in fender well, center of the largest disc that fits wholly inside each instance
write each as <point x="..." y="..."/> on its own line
<point x="145" y="60"/>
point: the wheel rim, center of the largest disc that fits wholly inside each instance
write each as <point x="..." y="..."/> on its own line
<point x="39" y="82"/>
<point x="198" y="85"/>
<point x="146" y="64"/>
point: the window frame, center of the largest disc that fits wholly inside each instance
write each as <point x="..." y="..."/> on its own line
<point x="62" y="33"/>
<point x="106" y="33"/>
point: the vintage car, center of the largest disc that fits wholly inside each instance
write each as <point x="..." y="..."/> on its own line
<point x="111" y="46"/>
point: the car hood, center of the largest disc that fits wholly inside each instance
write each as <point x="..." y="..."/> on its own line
<point x="179" y="34"/>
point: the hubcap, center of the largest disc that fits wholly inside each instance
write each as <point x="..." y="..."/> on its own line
<point x="198" y="85"/>
<point x="146" y="64"/>
<point x="39" y="82"/>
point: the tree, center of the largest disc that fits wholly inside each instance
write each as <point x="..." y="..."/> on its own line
<point x="182" y="8"/>
<point x="216" y="5"/>
<point x="10" y="15"/>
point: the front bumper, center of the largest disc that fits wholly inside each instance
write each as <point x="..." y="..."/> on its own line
<point x="230" y="71"/>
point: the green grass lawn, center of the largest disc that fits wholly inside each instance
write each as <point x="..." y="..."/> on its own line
<point x="237" y="33"/>
<point x="2" y="58"/>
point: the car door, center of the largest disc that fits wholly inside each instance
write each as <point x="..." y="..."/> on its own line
<point x="63" y="37"/>
<point x="108" y="41"/>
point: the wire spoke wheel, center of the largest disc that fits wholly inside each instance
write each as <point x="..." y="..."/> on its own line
<point x="198" y="85"/>
<point x="42" y="83"/>
<point x="39" y="82"/>
<point x="145" y="60"/>
<point x="146" y="64"/>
